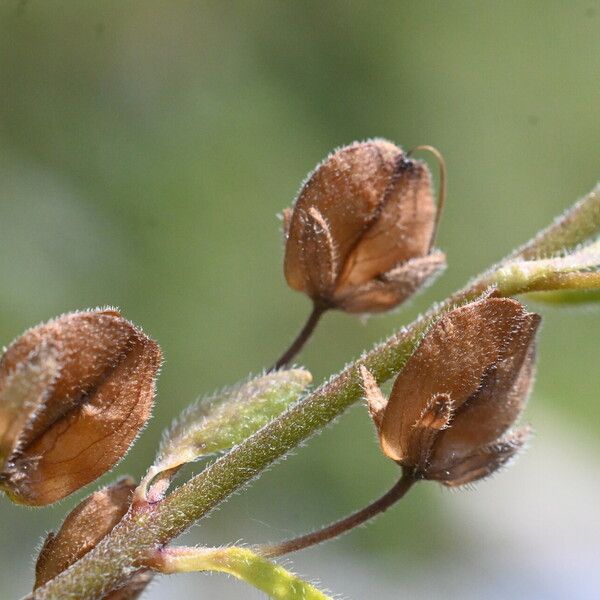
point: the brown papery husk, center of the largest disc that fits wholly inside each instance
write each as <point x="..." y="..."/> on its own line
<point x="95" y="409"/>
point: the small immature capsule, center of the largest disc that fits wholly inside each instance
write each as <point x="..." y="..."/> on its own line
<point x="82" y="530"/>
<point x="460" y="392"/>
<point x="359" y="236"/>
<point x="74" y="394"/>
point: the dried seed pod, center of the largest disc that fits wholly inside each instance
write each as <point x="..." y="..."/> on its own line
<point x="359" y="236"/>
<point x="459" y="393"/>
<point x="82" y="530"/>
<point x="74" y="393"/>
<point x="84" y="527"/>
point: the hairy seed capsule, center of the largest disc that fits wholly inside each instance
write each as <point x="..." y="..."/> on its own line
<point x="82" y="530"/>
<point x="74" y="393"/>
<point x="359" y="236"/>
<point x="459" y="393"/>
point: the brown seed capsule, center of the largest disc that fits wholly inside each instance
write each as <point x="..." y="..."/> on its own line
<point x="81" y="531"/>
<point x="83" y="528"/>
<point x="74" y="393"/>
<point x="359" y="236"/>
<point x="459" y="393"/>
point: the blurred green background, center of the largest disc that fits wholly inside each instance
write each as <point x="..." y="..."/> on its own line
<point x="145" y="150"/>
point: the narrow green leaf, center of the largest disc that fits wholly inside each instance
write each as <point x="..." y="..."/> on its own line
<point x="244" y="564"/>
<point x="578" y="270"/>
<point x="217" y="423"/>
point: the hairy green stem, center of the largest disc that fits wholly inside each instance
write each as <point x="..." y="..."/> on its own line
<point x="132" y="541"/>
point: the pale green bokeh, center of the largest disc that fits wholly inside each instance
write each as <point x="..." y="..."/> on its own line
<point x="145" y="149"/>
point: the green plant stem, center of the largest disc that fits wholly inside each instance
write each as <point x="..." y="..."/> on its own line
<point x="140" y="533"/>
<point x="244" y="564"/>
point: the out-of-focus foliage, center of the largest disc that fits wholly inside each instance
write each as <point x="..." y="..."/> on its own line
<point x="145" y="148"/>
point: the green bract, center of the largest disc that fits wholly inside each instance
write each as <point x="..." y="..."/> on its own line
<point x="219" y="422"/>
